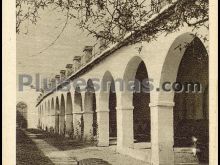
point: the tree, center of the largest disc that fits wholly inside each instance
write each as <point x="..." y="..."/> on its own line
<point x="117" y="18"/>
<point x="21" y="115"/>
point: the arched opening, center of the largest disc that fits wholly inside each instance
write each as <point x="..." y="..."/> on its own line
<point x="43" y="112"/>
<point x="40" y="118"/>
<point x="57" y="115"/>
<point x="94" y="121"/>
<point x="69" y="114"/>
<point x="78" y="118"/>
<point x="137" y="96"/>
<point x="187" y="64"/>
<point x="52" y="116"/>
<point x="62" y="125"/>
<point x="21" y="115"/>
<point x="43" y="118"/>
<point x="112" y="112"/>
<point x="90" y="108"/>
<point x="108" y="103"/>
<point x="38" y="124"/>
<point x="141" y="100"/>
<point x="191" y="107"/>
<point x="48" y="115"/>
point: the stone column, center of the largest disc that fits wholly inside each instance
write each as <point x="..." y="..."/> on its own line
<point x="69" y="125"/>
<point x="102" y="112"/>
<point x="46" y="118"/>
<point x="45" y="124"/>
<point x="38" y="117"/>
<point x="43" y="118"/>
<point x="125" y="132"/>
<point x="162" y="134"/>
<point x="87" y="98"/>
<point x="61" y="124"/>
<point x="52" y="120"/>
<point x="103" y="127"/>
<point x="57" y="120"/>
<point x="69" y="114"/>
<point x="88" y="121"/>
<point x="77" y="115"/>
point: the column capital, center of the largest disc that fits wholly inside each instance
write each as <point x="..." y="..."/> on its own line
<point x="162" y="104"/>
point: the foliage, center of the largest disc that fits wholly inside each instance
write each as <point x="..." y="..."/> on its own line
<point x="112" y="20"/>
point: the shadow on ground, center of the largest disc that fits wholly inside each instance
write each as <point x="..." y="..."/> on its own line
<point x="64" y="144"/>
<point x="60" y="142"/>
<point x="27" y="152"/>
<point x="93" y="161"/>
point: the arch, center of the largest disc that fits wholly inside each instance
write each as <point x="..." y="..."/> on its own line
<point x="40" y="117"/>
<point x="52" y="116"/>
<point x="45" y="115"/>
<point x="90" y="116"/>
<point x="48" y="106"/>
<point x="128" y="77"/>
<point x="38" y="125"/>
<point x="78" y="117"/>
<point x="106" y="83"/>
<point x="112" y="113"/>
<point x="42" y="113"/>
<point x="77" y="100"/>
<point x="108" y="103"/>
<point x="69" y="114"/>
<point x="89" y="97"/>
<point x="136" y="97"/>
<point x="140" y="102"/>
<point x="62" y="124"/>
<point x="187" y="62"/>
<point x="21" y="114"/>
<point x="48" y="115"/>
<point x="172" y="61"/>
<point x="57" y="115"/>
<point x="52" y="103"/>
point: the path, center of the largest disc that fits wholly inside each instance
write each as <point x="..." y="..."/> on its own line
<point x="63" y="151"/>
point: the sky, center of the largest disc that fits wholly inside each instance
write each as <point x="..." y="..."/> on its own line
<point x="38" y="37"/>
<point x="30" y="61"/>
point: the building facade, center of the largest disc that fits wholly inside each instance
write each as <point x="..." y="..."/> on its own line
<point x="98" y="100"/>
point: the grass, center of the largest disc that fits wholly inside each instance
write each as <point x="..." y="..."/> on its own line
<point x="60" y="142"/>
<point x="27" y="152"/>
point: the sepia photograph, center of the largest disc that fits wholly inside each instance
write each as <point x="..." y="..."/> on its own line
<point x="114" y="82"/>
